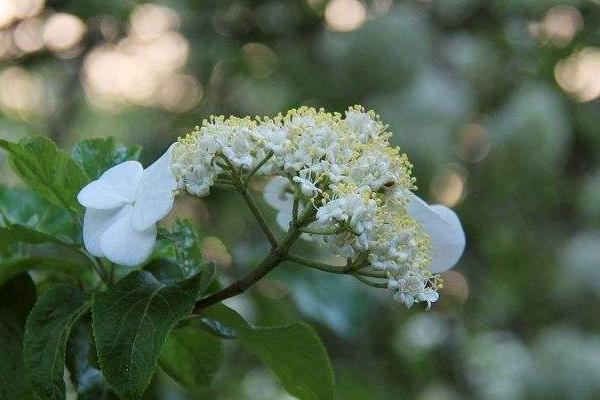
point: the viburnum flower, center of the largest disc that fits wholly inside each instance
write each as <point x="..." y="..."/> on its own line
<point x="343" y="171"/>
<point x="123" y="207"/>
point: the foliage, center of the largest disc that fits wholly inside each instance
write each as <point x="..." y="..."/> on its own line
<point x="476" y="91"/>
<point x="146" y="319"/>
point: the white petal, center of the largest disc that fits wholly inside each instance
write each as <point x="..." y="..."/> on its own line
<point x="276" y="194"/>
<point x="95" y="223"/>
<point x="115" y="187"/>
<point x="284" y="219"/>
<point x="155" y="194"/>
<point x="122" y="244"/>
<point x="444" y="229"/>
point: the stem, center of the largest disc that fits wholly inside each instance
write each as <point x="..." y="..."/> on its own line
<point x="242" y="188"/>
<point x="295" y="212"/>
<point x="334" y="269"/>
<point x="259" y="217"/>
<point x="97" y="267"/>
<point x="255" y="169"/>
<point x="324" y="231"/>
<point x="371" y="283"/>
<point x="225" y="186"/>
<point x="272" y="260"/>
<point x="372" y="274"/>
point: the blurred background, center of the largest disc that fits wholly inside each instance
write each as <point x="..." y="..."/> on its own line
<point x="495" y="102"/>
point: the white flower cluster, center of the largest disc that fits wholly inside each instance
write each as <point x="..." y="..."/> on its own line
<point x="344" y="167"/>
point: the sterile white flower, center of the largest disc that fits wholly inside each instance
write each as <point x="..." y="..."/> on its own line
<point x="444" y="230"/>
<point x="123" y="207"/>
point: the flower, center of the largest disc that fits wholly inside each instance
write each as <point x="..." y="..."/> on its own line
<point x="123" y="207"/>
<point x="343" y="166"/>
<point x="444" y="230"/>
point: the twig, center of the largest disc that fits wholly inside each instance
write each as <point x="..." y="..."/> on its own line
<point x="255" y="169"/>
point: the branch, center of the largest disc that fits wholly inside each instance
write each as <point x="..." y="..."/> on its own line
<point x="334" y="269"/>
<point x="272" y="260"/>
<point x="368" y="282"/>
<point x="241" y="187"/>
<point x="259" y="217"/>
<point x="240" y="286"/>
<point x="255" y="169"/>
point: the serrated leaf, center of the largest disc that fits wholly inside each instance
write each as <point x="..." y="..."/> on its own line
<point x="293" y="352"/>
<point x="97" y="155"/>
<point x="131" y="322"/>
<point x="46" y="332"/>
<point x="17" y="297"/>
<point x="191" y="356"/>
<point x="47" y="170"/>
<point x="88" y="380"/>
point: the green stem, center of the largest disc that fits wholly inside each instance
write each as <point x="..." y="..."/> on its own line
<point x="368" y="282"/>
<point x="372" y="274"/>
<point x="97" y="267"/>
<point x="323" y="231"/>
<point x="255" y="169"/>
<point x="259" y="217"/>
<point x="295" y="212"/>
<point x="239" y="184"/>
<point x="334" y="269"/>
<point x="272" y="260"/>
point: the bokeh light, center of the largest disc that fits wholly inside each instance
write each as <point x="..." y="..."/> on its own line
<point x="63" y="32"/>
<point x="28" y="35"/>
<point x="345" y="15"/>
<point x="579" y="74"/>
<point x="448" y="185"/>
<point x="145" y="67"/>
<point x="21" y="92"/>
<point x="559" y="25"/>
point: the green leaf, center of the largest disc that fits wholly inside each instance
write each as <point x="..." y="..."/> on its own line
<point x="21" y="234"/>
<point x="131" y="322"/>
<point x="185" y="240"/>
<point x="17" y="297"/>
<point x="46" y="333"/>
<point x="97" y="155"/>
<point x="47" y="170"/>
<point x="293" y="352"/>
<point x="87" y="379"/>
<point x="25" y="207"/>
<point x="191" y="356"/>
<point x="40" y="263"/>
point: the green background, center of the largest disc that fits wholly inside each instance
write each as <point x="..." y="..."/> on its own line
<point x="495" y="103"/>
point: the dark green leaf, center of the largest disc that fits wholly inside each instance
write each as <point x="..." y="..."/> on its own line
<point x="17" y="297"/>
<point x="21" y="234"/>
<point x="47" y="170"/>
<point x="191" y="356"/>
<point x="293" y="352"/>
<point x="97" y="155"/>
<point x="131" y="323"/>
<point x="26" y="208"/>
<point x="46" y="333"/>
<point x="87" y="379"/>
<point x="40" y="263"/>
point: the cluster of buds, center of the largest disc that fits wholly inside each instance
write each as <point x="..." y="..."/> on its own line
<point x="342" y="167"/>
